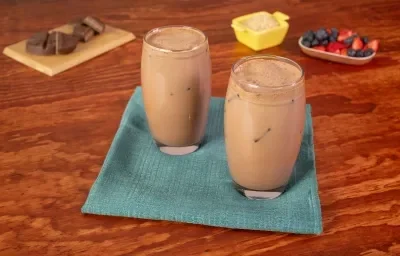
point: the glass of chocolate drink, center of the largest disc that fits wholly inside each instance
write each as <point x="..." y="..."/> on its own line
<point x="264" y="123"/>
<point x="176" y="81"/>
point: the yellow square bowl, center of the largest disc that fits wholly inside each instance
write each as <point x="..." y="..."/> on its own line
<point x="259" y="40"/>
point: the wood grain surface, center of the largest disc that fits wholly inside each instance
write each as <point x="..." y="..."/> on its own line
<point x="56" y="131"/>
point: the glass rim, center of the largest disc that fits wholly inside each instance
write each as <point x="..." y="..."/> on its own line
<point x="154" y="30"/>
<point x="272" y="57"/>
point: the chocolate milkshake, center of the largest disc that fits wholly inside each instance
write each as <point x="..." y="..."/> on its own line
<point x="264" y="122"/>
<point x="176" y="80"/>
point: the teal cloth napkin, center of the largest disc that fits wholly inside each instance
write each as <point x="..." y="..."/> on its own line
<point x="137" y="180"/>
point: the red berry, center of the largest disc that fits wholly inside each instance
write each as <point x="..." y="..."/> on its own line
<point x="343" y="34"/>
<point x="332" y="47"/>
<point x="357" y="44"/>
<point x="319" y="48"/>
<point x="374" y="45"/>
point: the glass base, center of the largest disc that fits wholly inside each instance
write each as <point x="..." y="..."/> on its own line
<point x="177" y="151"/>
<point x="259" y="194"/>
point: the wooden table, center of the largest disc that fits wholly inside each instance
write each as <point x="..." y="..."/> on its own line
<point x="56" y="131"/>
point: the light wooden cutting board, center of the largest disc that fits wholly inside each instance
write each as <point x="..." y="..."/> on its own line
<point x="52" y="65"/>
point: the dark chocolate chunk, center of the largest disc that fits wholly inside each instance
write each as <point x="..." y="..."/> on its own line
<point x="50" y="46"/>
<point x="64" y="43"/>
<point x="83" y="33"/>
<point x="37" y="44"/>
<point x="94" y="23"/>
<point x="39" y="38"/>
<point x="38" y="50"/>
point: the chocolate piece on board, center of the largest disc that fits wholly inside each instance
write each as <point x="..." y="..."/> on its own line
<point x="94" y="23"/>
<point x="39" y="38"/>
<point x="83" y="33"/>
<point x="65" y="43"/>
<point x="50" y="46"/>
<point x="37" y="44"/>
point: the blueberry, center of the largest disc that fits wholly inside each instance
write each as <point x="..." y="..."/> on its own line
<point x="314" y="42"/>
<point x="351" y="52"/>
<point x="368" y="52"/>
<point x="334" y="32"/>
<point x="325" y="42"/>
<point x="321" y="34"/>
<point x="364" y="39"/>
<point x="332" y="39"/>
<point x="309" y="35"/>
<point x="306" y="43"/>
<point x="359" y="53"/>
<point x="348" y="41"/>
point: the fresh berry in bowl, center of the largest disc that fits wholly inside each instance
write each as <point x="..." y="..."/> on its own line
<point x="344" y="46"/>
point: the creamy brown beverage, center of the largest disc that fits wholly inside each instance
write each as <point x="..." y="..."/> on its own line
<point x="176" y="80"/>
<point x="264" y="122"/>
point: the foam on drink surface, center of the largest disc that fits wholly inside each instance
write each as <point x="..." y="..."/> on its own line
<point x="267" y="73"/>
<point x="176" y="38"/>
<point x="267" y="81"/>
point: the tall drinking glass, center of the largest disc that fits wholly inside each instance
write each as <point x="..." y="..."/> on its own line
<point x="176" y="80"/>
<point x="264" y="123"/>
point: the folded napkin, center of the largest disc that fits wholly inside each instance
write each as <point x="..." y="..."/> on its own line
<point x="137" y="180"/>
